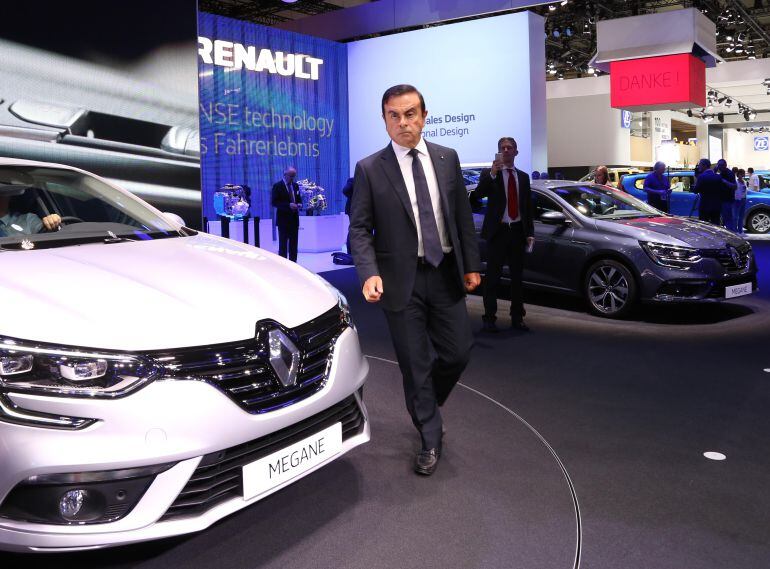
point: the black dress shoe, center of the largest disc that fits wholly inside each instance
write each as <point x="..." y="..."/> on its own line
<point x="520" y="326"/>
<point x="489" y="326"/>
<point x="426" y="461"/>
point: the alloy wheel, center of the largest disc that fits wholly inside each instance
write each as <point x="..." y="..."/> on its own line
<point x="608" y="289"/>
<point x="760" y="222"/>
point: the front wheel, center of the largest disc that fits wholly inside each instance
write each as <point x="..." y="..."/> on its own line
<point x="759" y="222"/>
<point x="610" y="289"/>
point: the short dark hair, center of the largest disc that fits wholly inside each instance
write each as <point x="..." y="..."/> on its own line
<point x="704" y="163"/>
<point x="507" y="139"/>
<point x="397" y="91"/>
<point x="751" y="170"/>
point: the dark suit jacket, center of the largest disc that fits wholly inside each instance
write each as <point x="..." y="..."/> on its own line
<point x="493" y="189"/>
<point x="711" y="189"/>
<point x="284" y="216"/>
<point x="383" y="232"/>
<point x="347" y="191"/>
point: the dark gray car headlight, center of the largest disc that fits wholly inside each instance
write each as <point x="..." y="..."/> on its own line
<point x="68" y="371"/>
<point x="672" y="256"/>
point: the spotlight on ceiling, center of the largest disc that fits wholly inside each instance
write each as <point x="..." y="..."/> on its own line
<point x="689" y="112"/>
<point x="728" y="102"/>
<point x="721" y="117"/>
<point x="746" y="115"/>
<point x="752" y="115"/>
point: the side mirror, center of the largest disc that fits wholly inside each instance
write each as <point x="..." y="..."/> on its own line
<point x="554" y="218"/>
<point x="174" y="218"/>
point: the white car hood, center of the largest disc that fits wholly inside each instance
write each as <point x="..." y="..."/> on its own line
<point x="165" y="293"/>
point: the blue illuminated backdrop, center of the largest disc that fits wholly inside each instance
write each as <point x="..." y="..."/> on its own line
<point x="270" y="99"/>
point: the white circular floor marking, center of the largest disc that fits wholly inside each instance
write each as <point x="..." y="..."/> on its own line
<point x="715" y="455"/>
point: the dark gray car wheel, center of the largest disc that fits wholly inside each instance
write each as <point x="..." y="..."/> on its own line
<point x="610" y="289"/>
<point x="759" y="222"/>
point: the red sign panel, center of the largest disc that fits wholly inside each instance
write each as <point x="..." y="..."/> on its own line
<point x="655" y="83"/>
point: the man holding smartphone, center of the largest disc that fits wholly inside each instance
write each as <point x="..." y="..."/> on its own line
<point x="508" y="230"/>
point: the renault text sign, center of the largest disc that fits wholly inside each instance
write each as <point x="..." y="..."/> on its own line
<point x="238" y="56"/>
<point x="654" y="83"/>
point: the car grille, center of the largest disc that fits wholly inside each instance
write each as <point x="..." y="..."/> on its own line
<point x="725" y="257"/>
<point x="243" y="372"/>
<point x="219" y="475"/>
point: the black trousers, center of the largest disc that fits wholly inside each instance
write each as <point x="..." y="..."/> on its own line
<point x="288" y="237"/>
<point x="432" y="338"/>
<point x="506" y="247"/>
<point x="712" y="216"/>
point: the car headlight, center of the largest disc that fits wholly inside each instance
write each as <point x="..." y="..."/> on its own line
<point x="342" y="301"/>
<point x="671" y="255"/>
<point x="72" y="372"/>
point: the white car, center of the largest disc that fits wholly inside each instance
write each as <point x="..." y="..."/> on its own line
<point x="154" y="379"/>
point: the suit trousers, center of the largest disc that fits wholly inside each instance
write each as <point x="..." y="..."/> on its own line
<point x="432" y="338"/>
<point x="506" y="247"/>
<point x="288" y="238"/>
<point x="710" y="215"/>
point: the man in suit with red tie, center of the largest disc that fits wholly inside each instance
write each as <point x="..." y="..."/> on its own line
<point x="415" y="250"/>
<point x="287" y="202"/>
<point x="508" y="230"/>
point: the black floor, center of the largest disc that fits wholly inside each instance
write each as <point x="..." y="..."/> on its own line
<point x="628" y="407"/>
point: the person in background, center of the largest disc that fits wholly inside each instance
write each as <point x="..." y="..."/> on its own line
<point x="544" y="175"/>
<point x="287" y="201"/>
<point x="753" y="185"/>
<point x="739" y="205"/>
<point x="728" y="198"/>
<point x="710" y="188"/>
<point x="602" y="176"/>
<point x="508" y="229"/>
<point x="13" y="223"/>
<point x="347" y="191"/>
<point x="657" y="187"/>
<point x="535" y="175"/>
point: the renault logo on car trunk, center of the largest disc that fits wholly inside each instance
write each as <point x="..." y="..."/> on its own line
<point x="284" y="357"/>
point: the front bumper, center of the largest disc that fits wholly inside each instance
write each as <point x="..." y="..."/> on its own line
<point x="702" y="284"/>
<point x="169" y="421"/>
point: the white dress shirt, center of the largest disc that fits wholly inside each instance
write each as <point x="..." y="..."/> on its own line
<point x="405" y="163"/>
<point x="506" y="217"/>
<point x="754" y="182"/>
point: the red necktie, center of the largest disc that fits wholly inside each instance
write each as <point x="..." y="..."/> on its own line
<point x="513" y="196"/>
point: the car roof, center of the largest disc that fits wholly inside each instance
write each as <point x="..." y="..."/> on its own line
<point x="22" y="162"/>
<point x="551" y="184"/>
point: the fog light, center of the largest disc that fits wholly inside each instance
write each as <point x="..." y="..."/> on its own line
<point x="71" y="503"/>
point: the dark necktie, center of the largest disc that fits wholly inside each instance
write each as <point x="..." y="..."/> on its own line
<point x="431" y="243"/>
<point x="513" y="196"/>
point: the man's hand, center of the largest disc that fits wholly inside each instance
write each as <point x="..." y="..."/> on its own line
<point x="52" y="222"/>
<point x="530" y="243"/>
<point x="373" y="289"/>
<point x="293" y="206"/>
<point x="472" y="281"/>
<point x="497" y="165"/>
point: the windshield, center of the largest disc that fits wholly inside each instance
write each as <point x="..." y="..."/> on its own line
<point x="51" y="207"/>
<point x="602" y="202"/>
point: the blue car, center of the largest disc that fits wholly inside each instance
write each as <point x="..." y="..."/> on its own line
<point x="685" y="203"/>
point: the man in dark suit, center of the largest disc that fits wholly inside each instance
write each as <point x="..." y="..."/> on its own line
<point x="347" y="191"/>
<point x="415" y="250"/>
<point x="710" y="187"/>
<point x="287" y="202"/>
<point x="508" y="230"/>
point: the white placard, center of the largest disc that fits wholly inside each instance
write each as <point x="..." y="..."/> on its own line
<point x="737" y="290"/>
<point x="292" y="461"/>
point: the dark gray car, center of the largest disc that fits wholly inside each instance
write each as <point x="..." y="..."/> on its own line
<point x="615" y="250"/>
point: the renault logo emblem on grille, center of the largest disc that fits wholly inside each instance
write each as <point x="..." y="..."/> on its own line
<point x="284" y="357"/>
<point x="735" y="256"/>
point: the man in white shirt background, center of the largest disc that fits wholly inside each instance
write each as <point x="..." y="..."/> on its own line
<point x="508" y="230"/>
